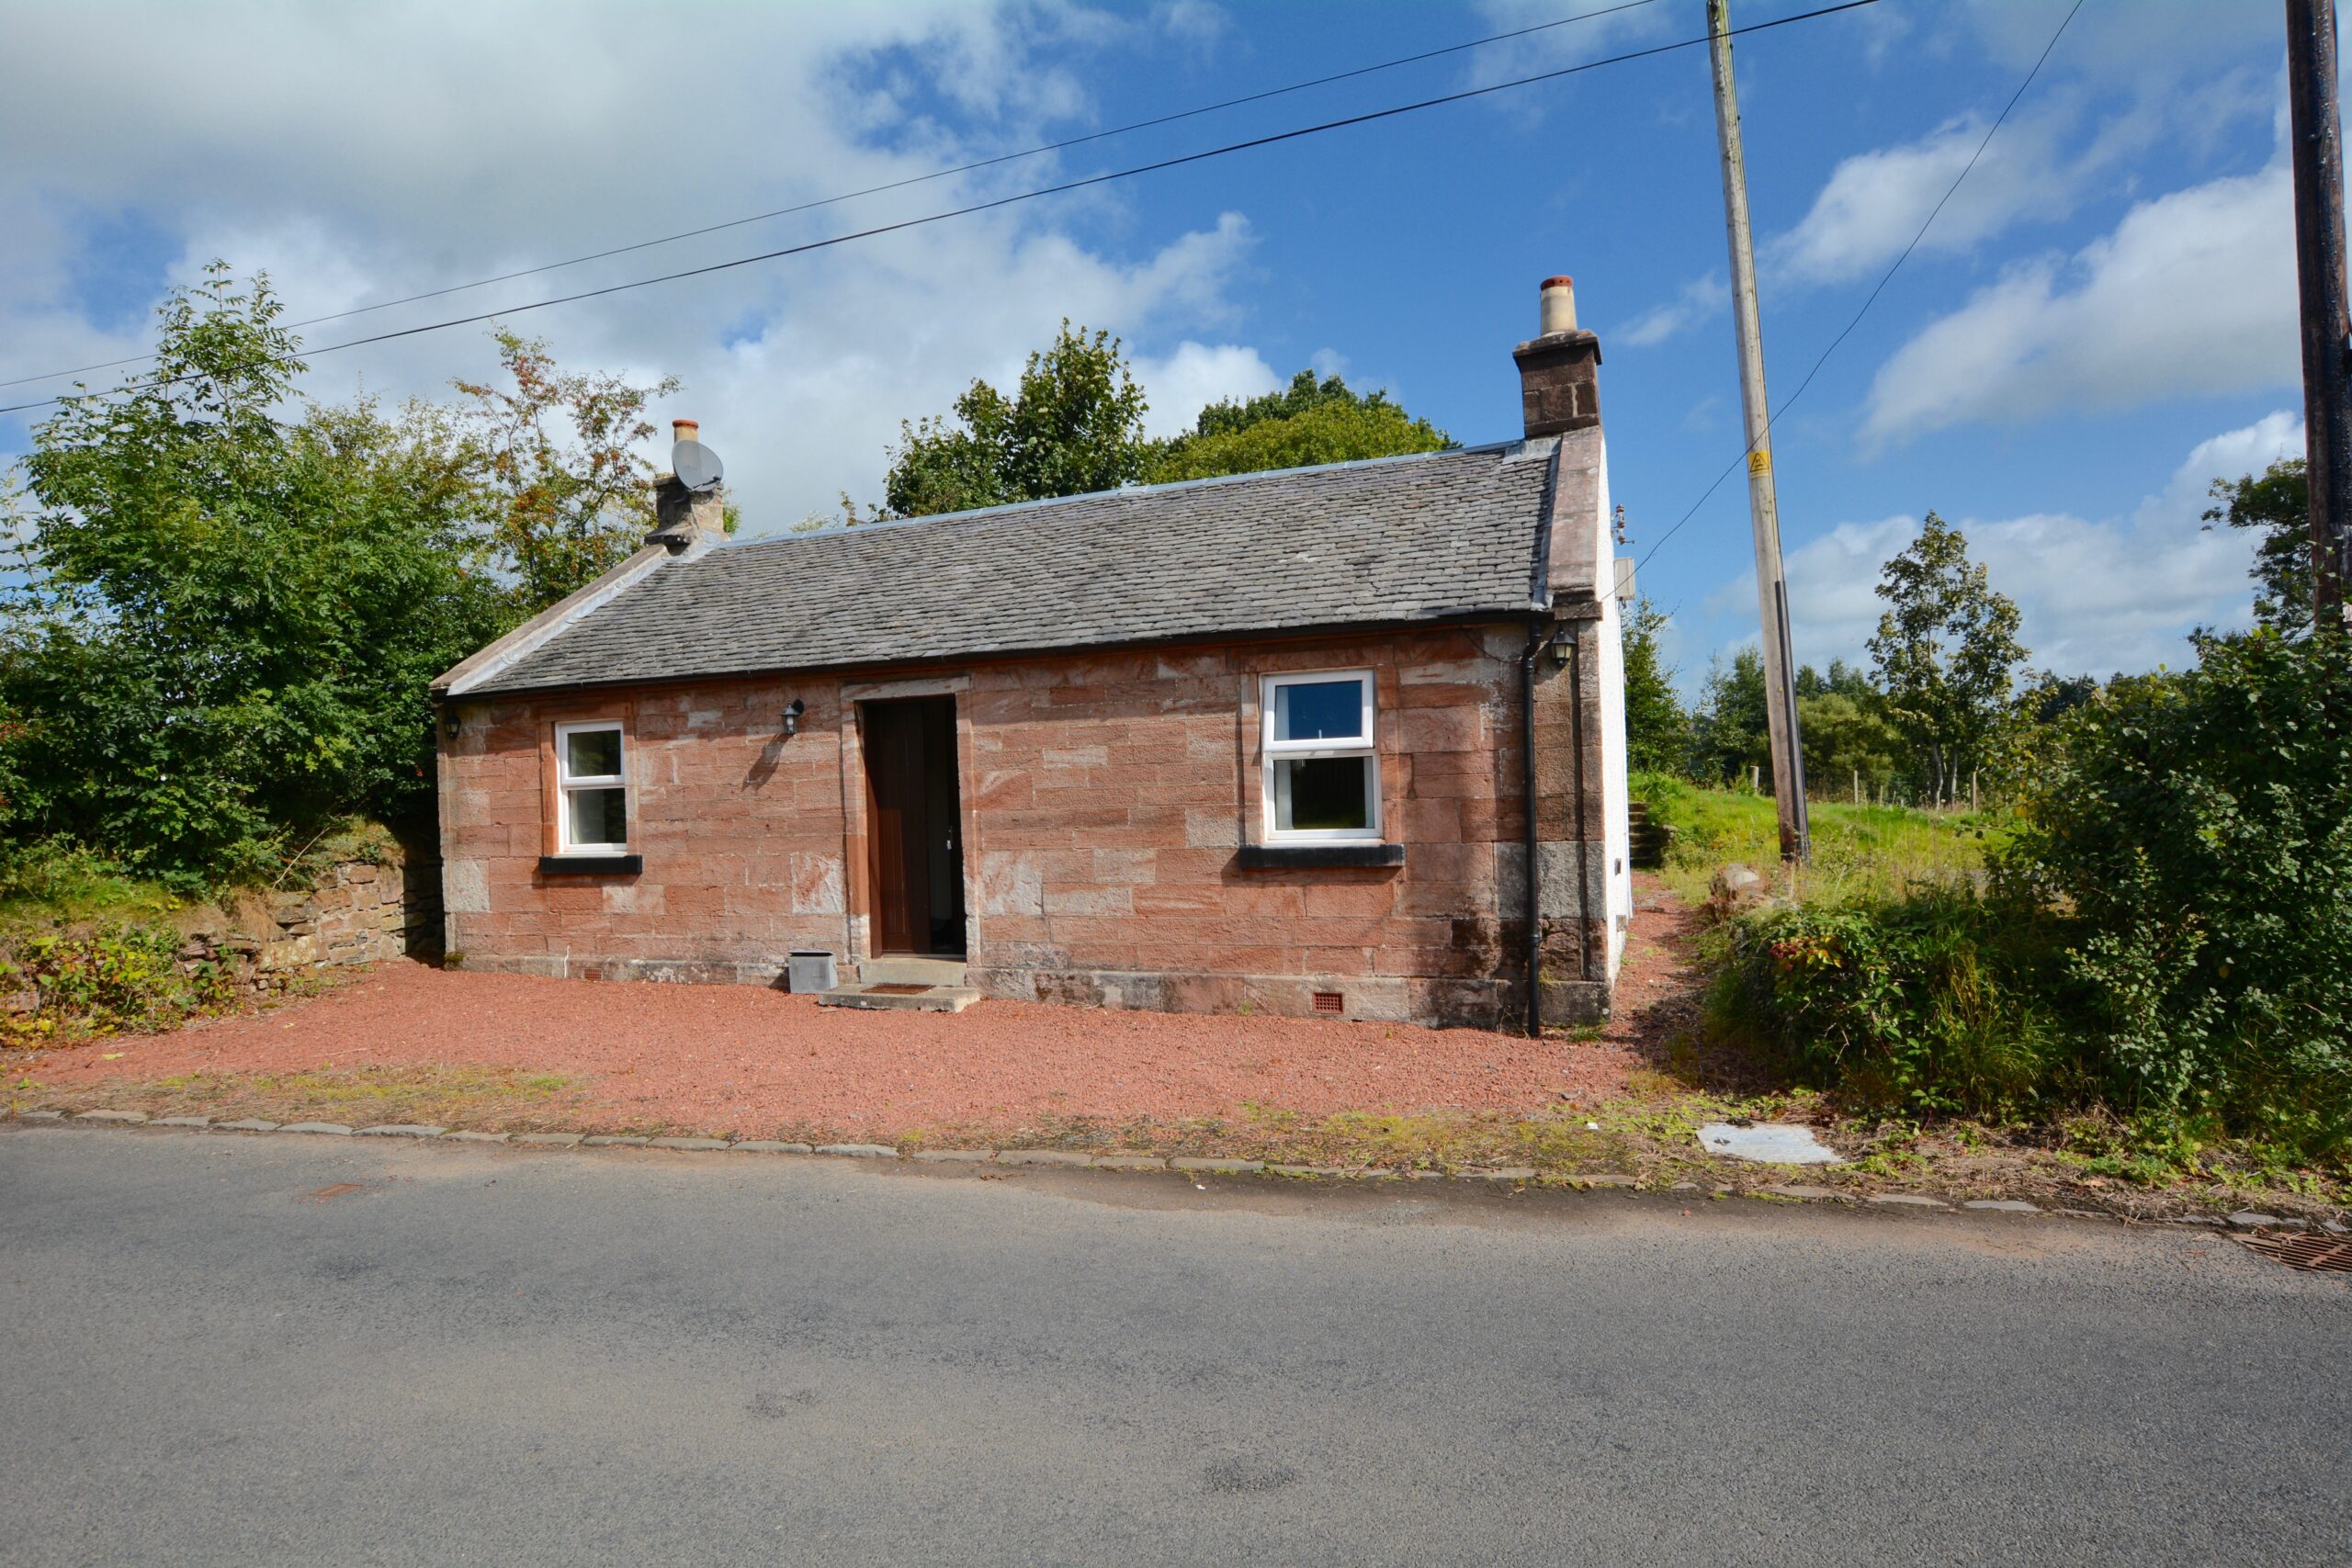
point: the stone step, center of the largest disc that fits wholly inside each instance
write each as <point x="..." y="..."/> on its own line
<point x="901" y="969"/>
<point x="900" y="995"/>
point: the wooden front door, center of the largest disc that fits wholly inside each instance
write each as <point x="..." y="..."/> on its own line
<point x="914" y="825"/>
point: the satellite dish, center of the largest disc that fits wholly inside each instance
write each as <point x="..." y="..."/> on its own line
<point x="695" y="465"/>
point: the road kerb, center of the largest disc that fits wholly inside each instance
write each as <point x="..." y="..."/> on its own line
<point x="2243" y="1219"/>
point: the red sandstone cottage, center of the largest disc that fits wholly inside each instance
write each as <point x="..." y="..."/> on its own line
<point x="1284" y="742"/>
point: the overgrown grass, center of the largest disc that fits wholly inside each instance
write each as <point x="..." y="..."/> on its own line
<point x="49" y="887"/>
<point x="1860" y="852"/>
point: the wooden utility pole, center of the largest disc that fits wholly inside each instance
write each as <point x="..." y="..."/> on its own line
<point x="1763" y="507"/>
<point x="2318" y="140"/>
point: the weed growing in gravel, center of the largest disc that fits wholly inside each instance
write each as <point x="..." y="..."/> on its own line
<point x="440" y="1096"/>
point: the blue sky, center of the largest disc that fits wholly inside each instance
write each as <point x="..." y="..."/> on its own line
<point x="2099" y="322"/>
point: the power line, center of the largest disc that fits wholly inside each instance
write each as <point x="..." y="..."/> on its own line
<point x="902" y="184"/>
<point x="1064" y="186"/>
<point x="1874" y="293"/>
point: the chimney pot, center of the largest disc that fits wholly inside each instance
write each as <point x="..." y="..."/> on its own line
<point x="1558" y="368"/>
<point x="686" y="520"/>
<point x="1558" y="310"/>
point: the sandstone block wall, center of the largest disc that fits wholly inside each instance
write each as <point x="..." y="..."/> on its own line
<point x="1105" y="798"/>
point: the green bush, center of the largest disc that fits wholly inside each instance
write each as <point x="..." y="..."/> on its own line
<point x="1938" y="1002"/>
<point x="2198" y="827"/>
<point x="2167" y="930"/>
<point x="114" y="978"/>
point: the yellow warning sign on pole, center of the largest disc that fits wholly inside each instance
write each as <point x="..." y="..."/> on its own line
<point x="1760" y="461"/>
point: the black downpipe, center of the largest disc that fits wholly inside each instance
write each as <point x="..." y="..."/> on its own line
<point x="1584" y="840"/>
<point x="1536" y="643"/>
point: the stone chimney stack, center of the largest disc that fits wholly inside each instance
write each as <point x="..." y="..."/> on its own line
<point x="1559" y="384"/>
<point x="685" y="518"/>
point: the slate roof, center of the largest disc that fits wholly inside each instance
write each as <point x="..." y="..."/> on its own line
<point x="1441" y="536"/>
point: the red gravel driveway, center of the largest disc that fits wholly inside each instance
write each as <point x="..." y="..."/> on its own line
<point x="727" y="1055"/>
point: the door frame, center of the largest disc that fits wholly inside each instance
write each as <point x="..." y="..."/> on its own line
<point x="943" y="765"/>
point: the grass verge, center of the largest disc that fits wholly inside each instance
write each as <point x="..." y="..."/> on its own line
<point x="1648" y="1137"/>
<point x="490" y="1097"/>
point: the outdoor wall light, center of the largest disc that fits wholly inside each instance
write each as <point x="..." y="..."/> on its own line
<point x="792" y="712"/>
<point x="451" y="723"/>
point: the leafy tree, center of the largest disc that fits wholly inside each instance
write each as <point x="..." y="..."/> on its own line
<point x="1303" y="395"/>
<point x="1657" y="730"/>
<point x="2276" y="505"/>
<point x="561" y="475"/>
<point x="221" y="624"/>
<point x="1847" y="737"/>
<point x="1843" y="678"/>
<point x="2049" y="697"/>
<point x="1730" y="733"/>
<point x="1075" y="425"/>
<point x="1306" y="423"/>
<point x="1946" y="651"/>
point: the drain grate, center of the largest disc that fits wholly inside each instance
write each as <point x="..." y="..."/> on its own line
<point x="897" y="988"/>
<point x="2332" y="1254"/>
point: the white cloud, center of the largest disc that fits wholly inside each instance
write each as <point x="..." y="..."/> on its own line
<point x="2127" y="79"/>
<point x="2094" y="597"/>
<point x="1701" y="298"/>
<point x="2145" y="37"/>
<point x="2193" y="294"/>
<point x="2233" y="454"/>
<point x="399" y="150"/>
<point x="1196" y="23"/>
<point x="1195" y="376"/>
<point x="1875" y="202"/>
<point x="1584" y="32"/>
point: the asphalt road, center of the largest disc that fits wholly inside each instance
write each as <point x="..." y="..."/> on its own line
<point x="515" y="1358"/>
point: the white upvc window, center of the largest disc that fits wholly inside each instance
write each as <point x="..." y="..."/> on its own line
<point x="1322" y="775"/>
<point x="592" y="789"/>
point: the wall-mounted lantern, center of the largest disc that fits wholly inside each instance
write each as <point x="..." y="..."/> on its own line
<point x="792" y="712"/>
<point x="450" y="723"/>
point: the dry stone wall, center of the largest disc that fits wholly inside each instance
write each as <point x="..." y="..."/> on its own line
<point x="358" y="912"/>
